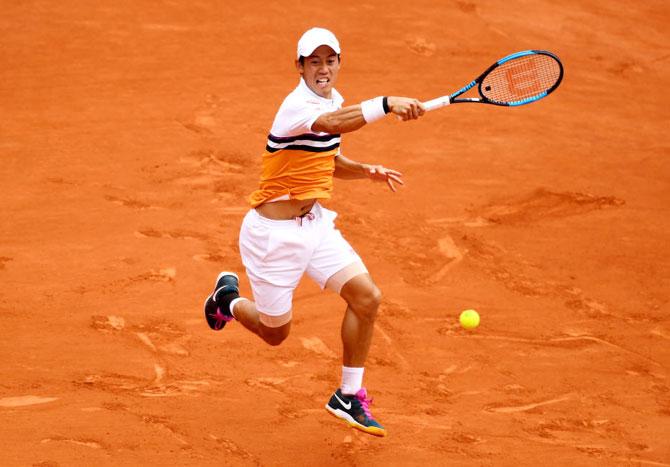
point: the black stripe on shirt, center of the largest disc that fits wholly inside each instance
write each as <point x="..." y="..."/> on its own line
<point x="306" y="136"/>
<point x="304" y="147"/>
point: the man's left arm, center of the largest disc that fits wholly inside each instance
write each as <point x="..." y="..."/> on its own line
<point x="347" y="169"/>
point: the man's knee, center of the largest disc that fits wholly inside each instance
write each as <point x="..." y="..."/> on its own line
<point x="274" y="339"/>
<point x="275" y="336"/>
<point x="367" y="301"/>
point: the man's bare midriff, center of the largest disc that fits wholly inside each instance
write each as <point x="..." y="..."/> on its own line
<point x="285" y="210"/>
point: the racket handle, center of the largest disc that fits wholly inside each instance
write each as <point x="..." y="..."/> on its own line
<point x="437" y="103"/>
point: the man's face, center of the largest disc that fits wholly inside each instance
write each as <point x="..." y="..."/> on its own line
<point x="320" y="70"/>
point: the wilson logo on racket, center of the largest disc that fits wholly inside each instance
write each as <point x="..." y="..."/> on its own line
<point x="518" y="79"/>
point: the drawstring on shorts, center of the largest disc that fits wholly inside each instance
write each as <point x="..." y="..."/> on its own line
<point x="308" y="215"/>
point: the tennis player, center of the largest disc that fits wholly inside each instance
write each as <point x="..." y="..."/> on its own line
<point x="288" y="232"/>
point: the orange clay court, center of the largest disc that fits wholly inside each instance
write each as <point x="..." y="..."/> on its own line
<point x="130" y="136"/>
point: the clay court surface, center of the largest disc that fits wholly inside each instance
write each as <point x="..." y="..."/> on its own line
<point x="130" y="135"/>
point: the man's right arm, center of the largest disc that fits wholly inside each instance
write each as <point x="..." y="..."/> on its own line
<point x="351" y="118"/>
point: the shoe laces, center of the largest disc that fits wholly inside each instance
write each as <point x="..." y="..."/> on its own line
<point x="362" y="396"/>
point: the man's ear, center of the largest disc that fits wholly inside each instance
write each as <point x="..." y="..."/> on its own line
<point x="299" y="66"/>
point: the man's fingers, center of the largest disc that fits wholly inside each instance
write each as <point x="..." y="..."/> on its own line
<point x="395" y="178"/>
<point x="408" y="109"/>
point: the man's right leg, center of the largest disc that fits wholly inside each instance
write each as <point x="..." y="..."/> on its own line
<point x="274" y="263"/>
<point x="225" y="304"/>
<point x="246" y="313"/>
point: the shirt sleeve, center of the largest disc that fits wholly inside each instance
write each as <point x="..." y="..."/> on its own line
<point x="298" y="113"/>
<point x="296" y="118"/>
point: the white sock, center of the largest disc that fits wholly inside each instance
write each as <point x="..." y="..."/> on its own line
<point x="232" y="305"/>
<point x="352" y="379"/>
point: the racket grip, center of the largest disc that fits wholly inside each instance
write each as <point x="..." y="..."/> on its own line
<point x="437" y="103"/>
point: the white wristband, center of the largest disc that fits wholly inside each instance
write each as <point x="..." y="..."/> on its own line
<point x="373" y="109"/>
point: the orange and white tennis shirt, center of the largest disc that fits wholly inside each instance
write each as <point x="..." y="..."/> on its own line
<point x="298" y="163"/>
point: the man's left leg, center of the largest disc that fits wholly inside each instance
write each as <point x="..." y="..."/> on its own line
<point x="350" y="402"/>
<point x="336" y="266"/>
<point x="363" y="299"/>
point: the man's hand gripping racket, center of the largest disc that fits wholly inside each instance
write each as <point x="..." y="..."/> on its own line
<point x="518" y="79"/>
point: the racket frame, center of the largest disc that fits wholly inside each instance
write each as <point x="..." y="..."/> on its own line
<point x="443" y="101"/>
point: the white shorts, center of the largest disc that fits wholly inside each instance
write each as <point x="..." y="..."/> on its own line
<point x="276" y="254"/>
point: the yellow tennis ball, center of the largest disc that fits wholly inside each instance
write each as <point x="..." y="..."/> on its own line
<point x="469" y="319"/>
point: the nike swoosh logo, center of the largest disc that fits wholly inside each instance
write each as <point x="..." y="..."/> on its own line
<point x="346" y="406"/>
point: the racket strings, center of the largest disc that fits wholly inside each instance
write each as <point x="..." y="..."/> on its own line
<point x="522" y="78"/>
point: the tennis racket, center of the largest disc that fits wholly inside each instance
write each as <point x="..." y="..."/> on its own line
<point x="518" y="79"/>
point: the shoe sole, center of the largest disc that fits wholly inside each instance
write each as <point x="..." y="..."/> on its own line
<point x="345" y="417"/>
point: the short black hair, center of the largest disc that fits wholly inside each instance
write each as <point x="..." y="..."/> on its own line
<point x="301" y="59"/>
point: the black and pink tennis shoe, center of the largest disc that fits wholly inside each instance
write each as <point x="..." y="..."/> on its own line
<point x="355" y="411"/>
<point x="217" y="305"/>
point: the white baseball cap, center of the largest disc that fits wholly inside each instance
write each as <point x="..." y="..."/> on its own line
<point x="315" y="37"/>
